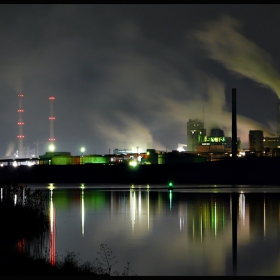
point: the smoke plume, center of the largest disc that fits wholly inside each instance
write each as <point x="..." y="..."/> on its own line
<point x="227" y="45"/>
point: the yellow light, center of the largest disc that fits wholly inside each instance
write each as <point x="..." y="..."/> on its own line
<point x="51" y="147"/>
<point x="51" y="186"/>
<point x="133" y="163"/>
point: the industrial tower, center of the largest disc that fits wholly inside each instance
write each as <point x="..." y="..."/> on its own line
<point x="234" y="126"/>
<point x="195" y="134"/>
<point x="20" y="127"/>
<point x="278" y="118"/>
<point x="51" y="118"/>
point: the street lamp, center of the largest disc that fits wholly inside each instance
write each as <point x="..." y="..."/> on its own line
<point x="51" y="147"/>
<point x="82" y="151"/>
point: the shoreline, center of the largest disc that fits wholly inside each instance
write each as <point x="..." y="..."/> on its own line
<point x="241" y="171"/>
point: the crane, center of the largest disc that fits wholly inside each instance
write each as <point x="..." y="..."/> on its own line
<point x="37" y="147"/>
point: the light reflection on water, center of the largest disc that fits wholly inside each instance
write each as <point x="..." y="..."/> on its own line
<point x="190" y="230"/>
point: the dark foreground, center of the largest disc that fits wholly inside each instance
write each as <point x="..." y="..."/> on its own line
<point x="27" y="222"/>
<point x="253" y="171"/>
<point x="17" y="264"/>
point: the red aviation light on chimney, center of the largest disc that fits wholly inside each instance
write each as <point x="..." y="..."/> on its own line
<point x="20" y="124"/>
<point x="51" y="119"/>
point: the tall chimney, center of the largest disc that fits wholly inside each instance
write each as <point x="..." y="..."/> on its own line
<point x="278" y="118"/>
<point x="20" y="126"/>
<point x="52" y="119"/>
<point x="234" y="128"/>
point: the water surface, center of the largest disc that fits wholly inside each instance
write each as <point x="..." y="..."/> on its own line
<point x="191" y="230"/>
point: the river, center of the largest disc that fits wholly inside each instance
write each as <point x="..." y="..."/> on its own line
<point x="189" y="230"/>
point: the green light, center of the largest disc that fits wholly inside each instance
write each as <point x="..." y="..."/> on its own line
<point x="83" y="149"/>
<point x="170" y="186"/>
<point x="217" y="139"/>
<point x="133" y="163"/>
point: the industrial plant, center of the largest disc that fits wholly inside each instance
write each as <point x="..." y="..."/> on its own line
<point x="201" y="146"/>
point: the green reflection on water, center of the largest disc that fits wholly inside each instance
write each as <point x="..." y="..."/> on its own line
<point x="94" y="200"/>
<point x="65" y="199"/>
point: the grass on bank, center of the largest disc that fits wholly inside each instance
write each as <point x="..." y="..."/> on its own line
<point x="24" y="215"/>
<point x="20" y="264"/>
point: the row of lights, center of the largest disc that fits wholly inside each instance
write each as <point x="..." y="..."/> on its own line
<point x="52" y="148"/>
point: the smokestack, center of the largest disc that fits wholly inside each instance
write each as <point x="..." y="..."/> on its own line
<point x="278" y="118"/>
<point x="234" y="127"/>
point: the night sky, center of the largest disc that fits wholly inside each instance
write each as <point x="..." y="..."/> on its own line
<point x="127" y="76"/>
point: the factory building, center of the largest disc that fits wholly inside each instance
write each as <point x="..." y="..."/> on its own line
<point x="217" y="146"/>
<point x="61" y="157"/>
<point x="173" y="157"/>
<point x="177" y="157"/>
<point x="121" y="151"/>
<point x="271" y="142"/>
<point x="195" y="134"/>
<point x="271" y="146"/>
<point x="261" y="145"/>
<point x="256" y="141"/>
<point x="151" y="156"/>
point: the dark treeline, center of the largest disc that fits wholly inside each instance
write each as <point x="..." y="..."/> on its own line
<point x="254" y="171"/>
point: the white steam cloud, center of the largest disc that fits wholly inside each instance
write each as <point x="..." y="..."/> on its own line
<point x="226" y="45"/>
<point x="129" y="135"/>
<point x="10" y="149"/>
